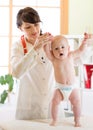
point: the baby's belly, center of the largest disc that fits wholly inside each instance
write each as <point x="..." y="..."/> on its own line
<point x="66" y="81"/>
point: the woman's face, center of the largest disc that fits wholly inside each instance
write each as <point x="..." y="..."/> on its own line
<point x="31" y="31"/>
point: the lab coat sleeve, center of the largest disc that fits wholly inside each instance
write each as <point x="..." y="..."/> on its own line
<point x="21" y="63"/>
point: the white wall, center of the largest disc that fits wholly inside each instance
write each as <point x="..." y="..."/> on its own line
<point x="80" y="16"/>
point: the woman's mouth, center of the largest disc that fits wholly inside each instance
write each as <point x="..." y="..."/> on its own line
<point x="34" y="34"/>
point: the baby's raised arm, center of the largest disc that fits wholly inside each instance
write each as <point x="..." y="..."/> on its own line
<point x="87" y="41"/>
<point x="47" y="49"/>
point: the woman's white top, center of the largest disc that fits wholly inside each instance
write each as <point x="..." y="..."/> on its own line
<point x="35" y="73"/>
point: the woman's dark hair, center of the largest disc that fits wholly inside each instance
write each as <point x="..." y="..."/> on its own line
<point x="28" y="15"/>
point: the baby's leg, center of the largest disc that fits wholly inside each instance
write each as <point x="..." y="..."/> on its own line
<point x="57" y="98"/>
<point x="76" y="103"/>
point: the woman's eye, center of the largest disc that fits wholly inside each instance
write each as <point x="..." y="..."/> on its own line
<point x="27" y="27"/>
<point x="37" y="24"/>
<point x="62" y="47"/>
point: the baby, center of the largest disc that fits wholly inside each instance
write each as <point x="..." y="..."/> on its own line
<point x="63" y="62"/>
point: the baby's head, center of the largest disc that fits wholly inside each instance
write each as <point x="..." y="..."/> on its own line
<point x="59" y="39"/>
<point x="60" y="46"/>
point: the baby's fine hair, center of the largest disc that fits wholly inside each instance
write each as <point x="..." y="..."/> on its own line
<point x="58" y="38"/>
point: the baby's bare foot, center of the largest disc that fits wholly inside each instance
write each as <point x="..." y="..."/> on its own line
<point x="53" y="123"/>
<point x="77" y="124"/>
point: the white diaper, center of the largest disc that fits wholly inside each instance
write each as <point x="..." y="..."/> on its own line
<point x="66" y="90"/>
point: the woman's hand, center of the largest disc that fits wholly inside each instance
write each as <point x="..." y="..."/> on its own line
<point x="43" y="40"/>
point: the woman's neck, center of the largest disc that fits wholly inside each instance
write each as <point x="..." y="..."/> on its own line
<point x="30" y="41"/>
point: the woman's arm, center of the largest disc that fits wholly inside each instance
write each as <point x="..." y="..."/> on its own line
<point x="20" y="63"/>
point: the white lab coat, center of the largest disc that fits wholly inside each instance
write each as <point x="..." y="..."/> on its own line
<point x="36" y="81"/>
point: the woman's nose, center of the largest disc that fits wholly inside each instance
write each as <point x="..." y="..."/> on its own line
<point x="33" y="28"/>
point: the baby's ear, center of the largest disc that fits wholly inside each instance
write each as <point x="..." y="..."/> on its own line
<point x="91" y="35"/>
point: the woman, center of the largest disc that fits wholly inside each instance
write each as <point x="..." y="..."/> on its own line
<point x="31" y="66"/>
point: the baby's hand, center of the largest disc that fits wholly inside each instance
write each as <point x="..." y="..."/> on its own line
<point x="88" y="39"/>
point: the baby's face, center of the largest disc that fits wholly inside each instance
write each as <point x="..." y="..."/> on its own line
<point x="60" y="48"/>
